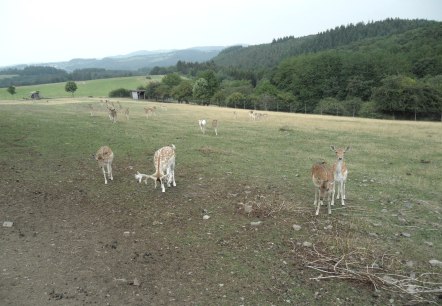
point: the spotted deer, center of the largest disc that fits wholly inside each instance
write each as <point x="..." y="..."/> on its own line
<point x="215" y="126"/>
<point x="104" y="157"/>
<point x="164" y="162"/>
<point x="322" y="177"/>
<point x="340" y="172"/>
<point x="149" y="111"/>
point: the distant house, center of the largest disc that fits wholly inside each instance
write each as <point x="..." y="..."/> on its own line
<point x="35" y="95"/>
<point x="138" y="94"/>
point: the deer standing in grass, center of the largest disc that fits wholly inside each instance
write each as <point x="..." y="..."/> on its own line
<point x="164" y="162"/>
<point x="202" y="123"/>
<point x="215" y="126"/>
<point x="149" y="111"/>
<point x="104" y="157"/>
<point x="91" y="108"/>
<point x="322" y="177"/>
<point x="126" y="113"/>
<point x="340" y="172"/>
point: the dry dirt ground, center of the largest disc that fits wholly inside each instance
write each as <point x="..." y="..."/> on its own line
<point x="76" y="241"/>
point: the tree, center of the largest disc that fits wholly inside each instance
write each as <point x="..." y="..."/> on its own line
<point x="11" y="90"/>
<point x="71" y="87"/>
<point x="201" y="91"/>
<point x="183" y="91"/>
<point x="171" y="80"/>
<point x="236" y="99"/>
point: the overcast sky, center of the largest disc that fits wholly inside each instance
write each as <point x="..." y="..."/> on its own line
<point x="37" y="31"/>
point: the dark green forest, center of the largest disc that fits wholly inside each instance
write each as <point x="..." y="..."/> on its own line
<point x="383" y="69"/>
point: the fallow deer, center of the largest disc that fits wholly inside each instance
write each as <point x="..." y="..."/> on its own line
<point x="340" y="172"/>
<point x="126" y="113"/>
<point x="104" y="157"/>
<point x="322" y="177"/>
<point x="202" y="123"/>
<point x="215" y="126"/>
<point x="91" y="108"/>
<point x="149" y="111"/>
<point x="164" y="162"/>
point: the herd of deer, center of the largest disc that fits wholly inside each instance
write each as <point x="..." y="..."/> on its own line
<point x="326" y="178"/>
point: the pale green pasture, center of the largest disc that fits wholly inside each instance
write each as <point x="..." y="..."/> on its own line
<point x="394" y="166"/>
<point x="92" y="88"/>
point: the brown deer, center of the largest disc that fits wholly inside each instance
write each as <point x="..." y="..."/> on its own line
<point x="340" y="172"/>
<point x="322" y="177"/>
<point x="104" y="157"/>
<point x="215" y="126"/>
<point x="164" y="162"/>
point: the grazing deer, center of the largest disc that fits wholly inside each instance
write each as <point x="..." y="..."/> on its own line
<point x="202" y="123"/>
<point x="340" y="172"/>
<point x="149" y="111"/>
<point x="322" y="177"/>
<point x="104" y="157"/>
<point x="215" y="126"/>
<point x="164" y="162"/>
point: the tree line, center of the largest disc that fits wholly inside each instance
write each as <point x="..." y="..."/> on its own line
<point x="33" y="75"/>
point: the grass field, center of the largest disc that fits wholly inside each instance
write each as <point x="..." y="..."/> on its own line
<point x="94" y="88"/>
<point x="79" y="240"/>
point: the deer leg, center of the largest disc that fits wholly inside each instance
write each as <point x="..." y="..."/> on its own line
<point x="109" y="171"/>
<point x="317" y="202"/>
<point x="104" y="174"/>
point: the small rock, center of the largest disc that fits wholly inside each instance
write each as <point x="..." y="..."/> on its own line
<point x="373" y="235"/>
<point x="428" y="243"/>
<point x="404" y="234"/>
<point x="328" y="227"/>
<point x="136" y="282"/>
<point x="126" y="234"/>
<point x="435" y="263"/>
<point x="8" y="224"/>
<point x="307" y="244"/>
<point x="409" y="264"/>
<point x="157" y="223"/>
<point x="256" y="223"/>
<point x="206" y="217"/>
<point x="248" y="209"/>
<point x="402" y="220"/>
<point x="296" y="227"/>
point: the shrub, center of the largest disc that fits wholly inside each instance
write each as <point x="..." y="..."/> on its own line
<point x="119" y="93"/>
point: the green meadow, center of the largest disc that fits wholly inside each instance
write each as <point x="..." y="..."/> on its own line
<point x="94" y="88"/>
<point x="260" y="244"/>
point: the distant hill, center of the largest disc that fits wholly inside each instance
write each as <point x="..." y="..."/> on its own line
<point x="268" y="56"/>
<point x="137" y="60"/>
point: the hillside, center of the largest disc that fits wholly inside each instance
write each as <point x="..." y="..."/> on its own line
<point x="267" y="56"/>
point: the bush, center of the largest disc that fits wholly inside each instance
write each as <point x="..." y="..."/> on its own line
<point x="120" y="93"/>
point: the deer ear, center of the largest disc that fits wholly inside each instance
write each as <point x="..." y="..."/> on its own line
<point x="347" y="149"/>
<point x="332" y="148"/>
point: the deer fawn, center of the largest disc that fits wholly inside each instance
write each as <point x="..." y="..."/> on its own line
<point x="322" y="177"/>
